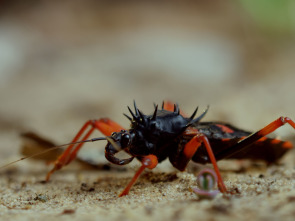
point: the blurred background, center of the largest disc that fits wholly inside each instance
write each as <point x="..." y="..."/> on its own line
<point x="64" y="62"/>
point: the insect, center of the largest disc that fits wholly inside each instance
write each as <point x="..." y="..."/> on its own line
<point x="169" y="133"/>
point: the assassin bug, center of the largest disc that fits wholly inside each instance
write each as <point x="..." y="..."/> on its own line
<point x="168" y="133"/>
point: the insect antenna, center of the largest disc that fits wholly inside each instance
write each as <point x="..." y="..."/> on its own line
<point x="53" y="148"/>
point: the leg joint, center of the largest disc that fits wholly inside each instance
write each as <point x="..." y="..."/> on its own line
<point x="93" y="122"/>
<point x="200" y="137"/>
<point x="284" y="119"/>
<point x="102" y="120"/>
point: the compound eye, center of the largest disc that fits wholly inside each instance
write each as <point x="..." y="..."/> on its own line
<point x="125" y="140"/>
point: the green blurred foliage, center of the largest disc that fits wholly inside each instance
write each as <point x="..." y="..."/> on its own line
<point x="276" y="16"/>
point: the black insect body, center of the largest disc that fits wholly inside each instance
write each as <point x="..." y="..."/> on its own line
<point x="157" y="134"/>
<point x="167" y="133"/>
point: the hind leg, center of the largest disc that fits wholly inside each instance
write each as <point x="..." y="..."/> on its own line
<point x="257" y="136"/>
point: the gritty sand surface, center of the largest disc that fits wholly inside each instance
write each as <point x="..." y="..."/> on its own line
<point x="260" y="193"/>
<point x="75" y="193"/>
<point x="67" y="65"/>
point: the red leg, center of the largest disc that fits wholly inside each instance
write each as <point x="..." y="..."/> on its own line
<point x="191" y="148"/>
<point x="104" y="125"/>
<point x="275" y="125"/>
<point x="257" y="136"/>
<point x="107" y="126"/>
<point x="149" y="162"/>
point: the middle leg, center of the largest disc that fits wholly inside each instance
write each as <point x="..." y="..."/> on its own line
<point x="182" y="159"/>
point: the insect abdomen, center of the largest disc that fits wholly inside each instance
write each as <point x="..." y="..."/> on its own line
<point x="267" y="149"/>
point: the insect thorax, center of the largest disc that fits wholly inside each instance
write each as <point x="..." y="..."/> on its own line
<point x="152" y="134"/>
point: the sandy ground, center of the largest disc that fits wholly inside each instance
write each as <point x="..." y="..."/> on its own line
<point x="262" y="193"/>
<point x="60" y="71"/>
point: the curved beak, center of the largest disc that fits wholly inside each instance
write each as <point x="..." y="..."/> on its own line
<point x="111" y="149"/>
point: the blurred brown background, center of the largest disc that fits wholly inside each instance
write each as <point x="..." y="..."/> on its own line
<point x="64" y="62"/>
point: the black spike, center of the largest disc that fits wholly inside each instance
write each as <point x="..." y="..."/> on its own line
<point x="155" y="105"/>
<point x="141" y="114"/>
<point x="162" y="105"/>
<point x="155" y="113"/>
<point x="194" y="114"/>
<point x="200" y="117"/>
<point x="129" y="118"/>
<point x="134" y="117"/>
<point x="135" y="108"/>
<point x="176" y="109"/>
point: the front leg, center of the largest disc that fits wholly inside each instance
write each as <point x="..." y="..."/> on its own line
<point x="150" y="162"/>
<point x="104" y="125"/>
